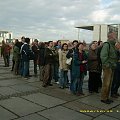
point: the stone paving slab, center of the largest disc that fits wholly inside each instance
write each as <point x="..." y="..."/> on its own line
<point x="104" y="117"/>
<point x="9" y="75"/>
<point x="11" y="82"/>
<point x="1" y="77"/>
<point x="62" y="113"/>
<point x="20" y="106"/>
<point x="51" y="103"/>
<point x="7" y="91"/>
<point x="32" y="117"/>
<point x="78" y="106"/>
<point x="94" y="100"/>
<point x="44" y="100"/>
<point x="5" y="72"/>
<point x="64" y="94"/>
<point x="61" y="94"/>
<point x="23" y="88"/>
<point x="5" y="68"/>
<point x="32" y="79"/>
<point x="6" y="115"/>
<point x="36" y="84"/>
<point x="115" y="113"/>
<point x="116" y="99"/>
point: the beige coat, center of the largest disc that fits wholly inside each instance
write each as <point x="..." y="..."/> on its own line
<point x="62" y="60"/>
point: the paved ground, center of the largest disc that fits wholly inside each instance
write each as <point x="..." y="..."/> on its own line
<point x="22" y="99"/>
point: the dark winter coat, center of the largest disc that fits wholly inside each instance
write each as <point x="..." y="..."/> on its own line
<point x="76" y="64"/>
<point x="25" y="51"/>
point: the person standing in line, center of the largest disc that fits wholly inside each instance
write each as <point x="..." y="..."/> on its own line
<point x="13" y="61"/>
<point x="79" y="69"/>
<point x="63" y="66"/>
<point x="58" y="46"/>
<point x="56" y="64"/>
<point x="41" y="61"/>
<point x="109" y="59"/>
<point x="93" y="68"/>
<point x="35" y="49"/>
<point x="49" y="60"/>
<point x="56" y="71"/>
<point x="5" y="52"/>
<point x="116" y="78"/>
<point x="25" y="51"/>
<point x="70" y="54"/>
<point x="80" y="61"/>
<point x="16" y="57"/>
<point x="100" y="45"/>
<point x="21" y="61"/>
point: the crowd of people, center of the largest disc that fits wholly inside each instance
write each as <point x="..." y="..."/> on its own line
<point x="68" y="64"/>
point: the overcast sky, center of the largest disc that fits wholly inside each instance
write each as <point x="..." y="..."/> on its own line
<point x="55" y="19"/>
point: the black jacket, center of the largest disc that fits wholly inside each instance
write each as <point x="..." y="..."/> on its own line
<point x="35" y="49"/>
<point x="42" y="56"/>
<point x="49" y="56"/>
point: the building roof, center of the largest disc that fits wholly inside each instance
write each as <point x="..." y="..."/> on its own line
<point x="85" y="27"/>
<point x="91" y="27"/>
<point x="3" y="31"/>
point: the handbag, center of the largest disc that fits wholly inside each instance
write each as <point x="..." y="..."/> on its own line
<point x="69" y="61"/>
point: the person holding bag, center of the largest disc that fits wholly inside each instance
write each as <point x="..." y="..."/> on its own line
<point x="79" y="67"/>
<point x="63" y="66"/>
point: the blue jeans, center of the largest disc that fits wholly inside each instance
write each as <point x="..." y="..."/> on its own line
<point x="74" y="85"/>
<point x="26" y="68"/>
<point x="21" y="67"/>
<point x="56" y="72"/>
<point x="80" y="83"/>
<point x="63" y="78"/>
<point x="116" y="80"/>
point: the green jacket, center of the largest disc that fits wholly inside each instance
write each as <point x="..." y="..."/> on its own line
<point x="16" y="53"/>
<point x="108" y="55"/>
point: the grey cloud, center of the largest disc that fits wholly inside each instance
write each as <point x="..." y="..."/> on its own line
<point x="52" y="19"/>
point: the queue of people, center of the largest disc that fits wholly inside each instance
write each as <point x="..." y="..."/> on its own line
<point x="100" y="60"/>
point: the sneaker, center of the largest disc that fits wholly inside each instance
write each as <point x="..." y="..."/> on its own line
<point x="57" y="82"/>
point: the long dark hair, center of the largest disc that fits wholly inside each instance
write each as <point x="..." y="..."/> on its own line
<point x="79" y="45"/>
<point x="63" y="46"/>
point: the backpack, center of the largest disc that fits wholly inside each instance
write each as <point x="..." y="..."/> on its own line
<point x="31" y="55"/>
<point x="99" y="52"/>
